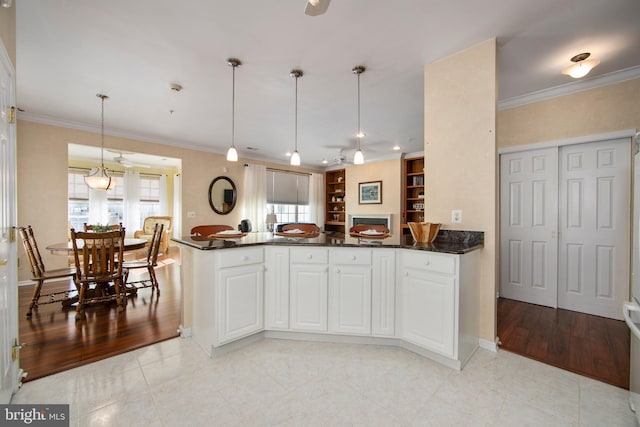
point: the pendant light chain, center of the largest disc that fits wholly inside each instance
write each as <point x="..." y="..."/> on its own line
<point x="358" y="135"/>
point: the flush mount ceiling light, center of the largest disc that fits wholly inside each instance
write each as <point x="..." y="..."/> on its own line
<point x="7" y="3"/>
<point x="358" y="157"/>
<point x="99" y="178"/>
<point x="295" y="156"/>
<point x="581" y="65"/>
<point x="232" y="154"/>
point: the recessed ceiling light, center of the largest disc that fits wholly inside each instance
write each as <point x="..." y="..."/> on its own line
<point x="288" y="154"/>
<point x="396" y="147"/>
<point x="324" y="161"/>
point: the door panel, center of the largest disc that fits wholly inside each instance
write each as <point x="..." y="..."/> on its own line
<point x="529" y="204"/>
<point x="595" y="227"/>
<point x="9" y="369"/>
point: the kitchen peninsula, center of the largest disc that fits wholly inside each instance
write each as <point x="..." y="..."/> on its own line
<point x="393" y="291"/>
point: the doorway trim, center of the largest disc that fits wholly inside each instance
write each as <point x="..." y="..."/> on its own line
<point x="626" y="133"/>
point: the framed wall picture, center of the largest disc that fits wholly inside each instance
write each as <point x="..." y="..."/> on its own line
<point x="370" y="192"/>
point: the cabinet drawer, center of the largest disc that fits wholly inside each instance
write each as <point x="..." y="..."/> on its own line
<point x="350" y="256"/>
<point x="306" y="255"/>
<point x="429" y="261"/>
<point x="237" y="257"/>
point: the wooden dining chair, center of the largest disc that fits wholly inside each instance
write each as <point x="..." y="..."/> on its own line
<point x="205" y="230"/>
<point x="364" y="227"/>
<point x="150" y="263"/>
<point x="307" y="228"/>
<point x="39" y="273"/>
<point x="99" y="264"/>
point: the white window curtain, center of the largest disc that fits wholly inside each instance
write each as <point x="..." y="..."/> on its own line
<point x="316" y="199"/>
<point x="131" y="208"/>
<point x="98" y="208"/>
<point x="177" y="206"/>
<point x="255" y="196"/>
<point x="164" y="196"/>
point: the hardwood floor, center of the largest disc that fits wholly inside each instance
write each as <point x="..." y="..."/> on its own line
<point x="589" y="345"/>
<point x="53" y="341"/>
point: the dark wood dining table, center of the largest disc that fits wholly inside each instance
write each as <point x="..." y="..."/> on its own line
<point x="67" y="247"/>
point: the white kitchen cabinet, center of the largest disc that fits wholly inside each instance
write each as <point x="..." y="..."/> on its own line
<point x="308" y="286"/>
<point x="383" y="292"/>
<point x="350" y="291"/>
<point x="240" y="302"/>
<point x="276" y="292"/>
<point x="438" y="303"/>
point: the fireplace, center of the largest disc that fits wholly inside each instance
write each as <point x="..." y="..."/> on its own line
<point x="369" y="219"/>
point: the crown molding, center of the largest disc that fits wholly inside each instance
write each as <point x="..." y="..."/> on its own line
<point x="48" y="120"/>
<point x="569" y="88"/>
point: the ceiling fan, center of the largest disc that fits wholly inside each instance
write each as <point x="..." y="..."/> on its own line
<point x="316" y="7"/>
<point x="340" y="159"/>
<point x="121" y="160"/>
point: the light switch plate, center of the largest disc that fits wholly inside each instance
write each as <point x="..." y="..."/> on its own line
<point x="456" y="216"/>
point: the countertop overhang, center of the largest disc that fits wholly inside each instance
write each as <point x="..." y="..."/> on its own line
<point x="448" y="241"/>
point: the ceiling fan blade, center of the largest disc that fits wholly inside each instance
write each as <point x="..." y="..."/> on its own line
<point x="316" y="7"/>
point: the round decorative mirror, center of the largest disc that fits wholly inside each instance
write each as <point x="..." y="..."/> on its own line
<point x="222" y="195"/>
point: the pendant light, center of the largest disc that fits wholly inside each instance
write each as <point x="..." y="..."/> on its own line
<point x="295" y="156"/>
<point x="99" y="179"/>
<point x="358" y="157"/>
<point x="232" y="154"/>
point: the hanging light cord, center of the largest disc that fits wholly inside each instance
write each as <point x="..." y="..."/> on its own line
<point x="102" y="97"/>
<point x="233" y="106"/>
<point x="296" y="117"/>
<point x="358" y="135"/>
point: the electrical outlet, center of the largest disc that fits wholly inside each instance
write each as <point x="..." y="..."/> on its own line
<point x="191" y="214"/>
<point x="456" y="216"/>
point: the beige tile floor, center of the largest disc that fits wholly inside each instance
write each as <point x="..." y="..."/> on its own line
<point x="293" y="383"/>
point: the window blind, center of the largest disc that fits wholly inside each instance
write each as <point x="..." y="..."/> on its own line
<point x="287" y="188"/>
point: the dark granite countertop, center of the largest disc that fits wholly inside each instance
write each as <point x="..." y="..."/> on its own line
<point x="447" y="241"/>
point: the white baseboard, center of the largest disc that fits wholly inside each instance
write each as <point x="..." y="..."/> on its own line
<point x="489" y="345"/>
<point x="184" y="332"/>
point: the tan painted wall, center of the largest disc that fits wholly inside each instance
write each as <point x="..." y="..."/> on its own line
<point x="8" y="31"/>
<point x="461" y="157"/>
<point x="387" y="171"/>
<point x="42" y="181"/>
<point x="603" y="109"/>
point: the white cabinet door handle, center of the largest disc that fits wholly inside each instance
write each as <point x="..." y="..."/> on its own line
<point x="406" y="273"/>
<point x="338" y="270"/>
<point x="354" y="258"/>
<point x="245" y="258"/>
<point x="427" y="263"/>
<point x="309" y="256"/>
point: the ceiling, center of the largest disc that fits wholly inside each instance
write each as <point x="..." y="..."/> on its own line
<point x="70" y="50"/>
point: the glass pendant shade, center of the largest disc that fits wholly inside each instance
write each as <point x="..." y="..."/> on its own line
<point x="581" y="65"/>
<point x="232" y="154"/>
<point x="295" y="159"/>
<point x="99" y="179"/>
<point x="358" y="158"/>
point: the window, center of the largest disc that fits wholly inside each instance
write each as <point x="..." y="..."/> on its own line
<point x="115" y="199"/>
<point x="78" y="205"/>
<point x="288" y="196"/>
<point x="149" y="196"/>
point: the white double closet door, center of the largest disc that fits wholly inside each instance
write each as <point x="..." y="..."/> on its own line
<point x="565" y="226"/>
